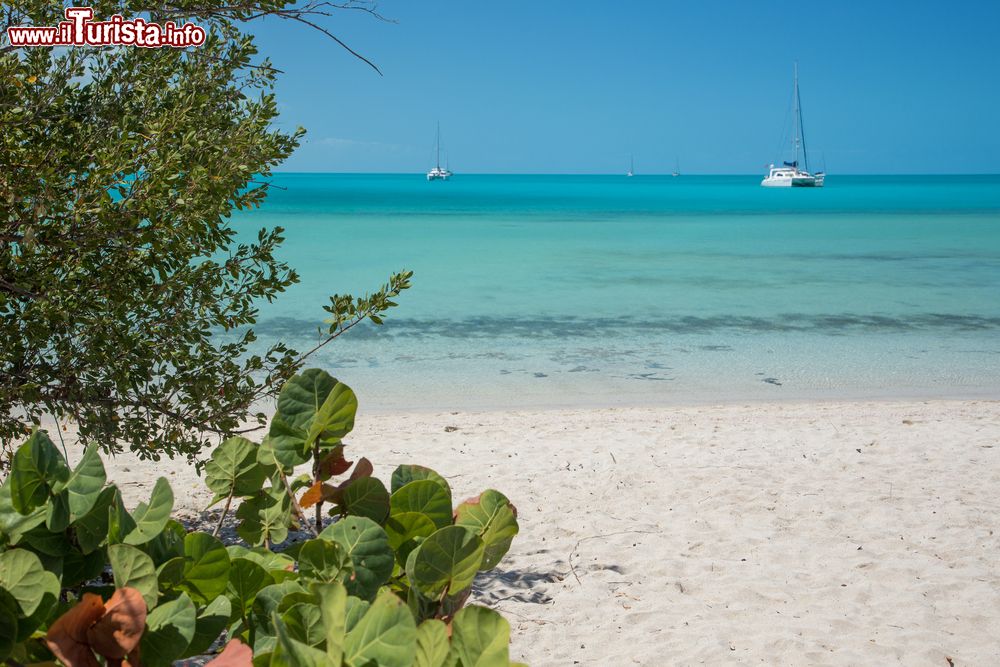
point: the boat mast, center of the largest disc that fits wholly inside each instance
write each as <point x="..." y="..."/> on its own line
<point x="795" y="117"/>
<point x="438" y="161"/>
<point x="801" y="136"/>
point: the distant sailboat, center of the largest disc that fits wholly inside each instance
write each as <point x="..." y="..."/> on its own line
<point x="789" y="175"/>
<point x="677" y="168"/>
<point x="631" y="167"/>
<point x="437" y="173"/>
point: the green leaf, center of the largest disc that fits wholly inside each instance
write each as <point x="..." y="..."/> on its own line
<point x="425" y="496"/>
<point x="265" y="517"/>
<point x="23" y="576"/>
<point x="368" y="547"/>
<point x="480" y="638"/>
<point x="13" y="524"/>
<point x="303" y="622"/>
<point x="446" y="562"/>
<point x="492" y="517"/>
<point x="268" y="601"/>
<point x="8" y="632"/>
<point x="168" y="544"/>
<point x="324" y="561"/>
<point x="234" y="469"/>
<point x="120" y="522"/>
<point x="386" y="635"/>
<point x="314" y="408"/>
<point x="134" y="569"/>
<point x="85" y="482"/>
<point x="292" y="653"/>
<point x="36" y="468"/>
<point x="406" y="530"/>
<point x="206" y="567"/>
<point x="151" y="518"/>
<point x="246" y="579"/>
<point x="366" y="496"/>
<point x="209" y="625"/>
<point x="92" y="528"/>
<point x="356" y="609"/>
<point x="57" y="512"/>
<point x="169" y="631"/>
<point x="432" y="644"/>
<point x="333" y="613"/>
<point x="405" y="474"/>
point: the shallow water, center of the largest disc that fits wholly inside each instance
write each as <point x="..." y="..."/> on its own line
<point x="601" y="290"/>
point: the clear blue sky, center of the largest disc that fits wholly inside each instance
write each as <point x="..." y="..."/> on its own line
<point x="561" y="86"/>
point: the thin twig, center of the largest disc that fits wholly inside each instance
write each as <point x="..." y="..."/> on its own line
<point x="572" y="568"/>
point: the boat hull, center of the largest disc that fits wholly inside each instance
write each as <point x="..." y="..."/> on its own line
<point x="796" y="182"/>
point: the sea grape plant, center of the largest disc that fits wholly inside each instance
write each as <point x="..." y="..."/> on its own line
<point x="85" y="581"/>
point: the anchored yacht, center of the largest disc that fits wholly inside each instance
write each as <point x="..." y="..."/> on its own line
<point x="789" y="175"/>
<point x="437" y="173"/>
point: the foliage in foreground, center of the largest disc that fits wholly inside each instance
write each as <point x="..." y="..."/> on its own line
<point x="81" y="577"/>
<point x="120" y="169"/>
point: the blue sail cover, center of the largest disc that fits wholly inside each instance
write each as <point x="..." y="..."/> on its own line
<point x="792" y="164"/>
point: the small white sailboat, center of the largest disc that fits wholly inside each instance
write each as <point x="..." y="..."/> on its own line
<point x="677" y="167"/>
<point x="437" y="173"/>
<point x="631" y="167"/>
<point x="789" y="175"/>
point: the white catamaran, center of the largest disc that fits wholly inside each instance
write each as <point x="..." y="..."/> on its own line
<point x="789" y="175"/>
<point x="631" y="167"/>
<point x="437" y="173"/>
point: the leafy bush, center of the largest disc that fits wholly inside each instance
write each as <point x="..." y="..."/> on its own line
<point x="81" y="576"/>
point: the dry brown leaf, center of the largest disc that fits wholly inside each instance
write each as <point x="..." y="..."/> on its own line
<point x="67" y="637"/>
<point x="118" y="633"/>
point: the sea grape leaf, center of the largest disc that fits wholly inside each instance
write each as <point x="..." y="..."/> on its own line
<point x="26" y="580"/>
<point x="8" y="632"/>
<point x="79" y="567"/>
<point x="325" y="561"/>
<point x="406" y="530"/>
<point x="151" y="518"/>
<point x="234" y="469"/>
<point x="246" y="579"/>
<point x="386" y="635"/>
<point x="265" y="517"/>
<point x="333" y="613"/>
<point x="120" y="522"/>
<point x="447" y="561"/>
<point x="134" y="569"/>
<point x="368" y="547"/>
<point x="92" y="528"/>
<point x="356" y="609"/>
<point x="425" y="496"/>
<point x="480" y="637"/>
<point x="206" y="567"/>
<point x="118" y="632"/>
<point x="211" y="622"/>
<point x="432" y="644"/>
<point x="67" y="636"/>
<point x="366" y="496"/>
<point x="85" y="482"/>
<point x="37" y="467"/>
<point x="268" y="601"/>
<point x="168" y="544"/>
<point x="303" y="622"/>
<point x="57" y="512"/>
<point x="289" y="652"/>
<point x="407" y="473"/>
<point x="333" y="463"/>
<point x="170" y="629"/>
<point x="494" y="519"/>
<point x="13" y="524"/>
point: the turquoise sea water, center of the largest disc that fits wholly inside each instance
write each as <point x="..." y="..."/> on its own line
<point x="603" y="290"/>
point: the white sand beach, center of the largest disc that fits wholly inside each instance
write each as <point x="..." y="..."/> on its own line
<point x="839" y="533"/>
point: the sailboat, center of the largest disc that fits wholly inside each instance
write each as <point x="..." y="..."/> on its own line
<point x="631" y="167"/>
<point x="437" y="173"/>
<point x="789" y="175"/>
<point x="677" y="167"/>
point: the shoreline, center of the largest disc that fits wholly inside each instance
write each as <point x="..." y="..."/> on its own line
<point x="784" y="533"/>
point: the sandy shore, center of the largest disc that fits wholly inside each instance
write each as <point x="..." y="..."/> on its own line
<point x="784" y="534"/>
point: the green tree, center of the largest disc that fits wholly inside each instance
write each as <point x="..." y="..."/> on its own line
<point x="119" y="171"/>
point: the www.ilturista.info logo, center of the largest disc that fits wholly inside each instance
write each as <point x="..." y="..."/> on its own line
<point x="80" y="30"/>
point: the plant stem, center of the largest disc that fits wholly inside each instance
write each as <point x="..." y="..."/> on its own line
<point x="225" y="510"/>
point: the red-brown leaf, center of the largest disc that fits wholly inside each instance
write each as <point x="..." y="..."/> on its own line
<point x="236" y="654"/>
<point x="364" y="468"/>
<point x="118" y="632"/>
<point x="67" y="637"/>
<point x="316" y="493"/>
<point x="334" y="464"/>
